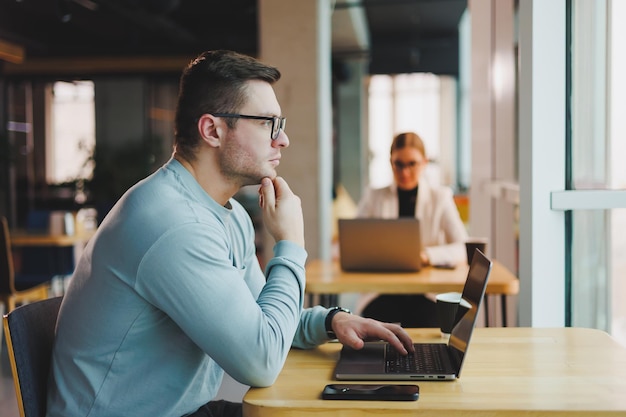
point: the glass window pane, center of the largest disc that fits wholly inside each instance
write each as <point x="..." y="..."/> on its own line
<point x="617" y="170"/>
<point x="618" y="272"/>
<point x="73" y="132"/>
<point x="597" y="103"/>
<point x="402" y="103"/>
<point x="380" y="125"/>
<point x="588" y="95"/>
<point x="590" y="276"/>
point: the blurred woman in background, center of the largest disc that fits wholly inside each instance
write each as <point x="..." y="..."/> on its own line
<point x="443" y="233"/>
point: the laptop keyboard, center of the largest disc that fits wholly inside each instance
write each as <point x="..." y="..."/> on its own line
<point x="426" y="359"/>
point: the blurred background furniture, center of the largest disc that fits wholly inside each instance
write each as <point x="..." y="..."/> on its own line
<point x="10" y="293"/>
<point x="39" y="260"/>
<point x="29" y="332"/>
<point x="48" y="248"/>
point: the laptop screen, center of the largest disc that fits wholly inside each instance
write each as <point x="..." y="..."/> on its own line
<point x="373" y="244"/>
<point x="473" y="293"/>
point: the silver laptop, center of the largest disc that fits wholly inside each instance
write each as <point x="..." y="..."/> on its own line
<point x="431" y="361"/>
<point x="383" y="245"/>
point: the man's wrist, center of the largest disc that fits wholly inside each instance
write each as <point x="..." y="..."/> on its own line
<point x="328" y="323"/>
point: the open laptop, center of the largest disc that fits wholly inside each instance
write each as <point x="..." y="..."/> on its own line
<point x="435" y="361"/>
<point x="382" y="245"/>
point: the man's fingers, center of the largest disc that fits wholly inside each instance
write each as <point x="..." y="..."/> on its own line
<point x="403" y="338"/>
<point x="393" y="337"/>
<point x="267" y="197"/>
<point x="281" y="187"/>
<point x="398" y="338"/>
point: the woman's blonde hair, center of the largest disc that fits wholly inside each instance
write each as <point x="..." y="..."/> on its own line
<point x="408" y="139"/>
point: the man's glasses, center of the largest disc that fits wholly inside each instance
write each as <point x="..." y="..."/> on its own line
<point x="278" y="123"/>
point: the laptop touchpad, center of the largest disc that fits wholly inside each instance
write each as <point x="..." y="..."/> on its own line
<point x="369" y="360"/>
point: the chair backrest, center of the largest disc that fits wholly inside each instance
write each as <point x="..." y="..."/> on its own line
<point x="30" y="331"/>
<point x="6" y="262"/>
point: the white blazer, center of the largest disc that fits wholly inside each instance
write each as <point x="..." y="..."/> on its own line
<point x="443" y="233"/>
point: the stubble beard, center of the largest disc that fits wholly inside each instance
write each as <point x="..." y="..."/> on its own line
<point x="243" y="169"/>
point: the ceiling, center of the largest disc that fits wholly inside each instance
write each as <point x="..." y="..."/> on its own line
<point x="396" y="36"/>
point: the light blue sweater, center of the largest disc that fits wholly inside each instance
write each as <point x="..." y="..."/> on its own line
<point x="166" y="297"/>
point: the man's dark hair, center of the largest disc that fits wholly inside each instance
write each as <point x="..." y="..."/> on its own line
<point x="214" y="82"/>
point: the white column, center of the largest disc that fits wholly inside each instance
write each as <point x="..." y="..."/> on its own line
<point x="493" y="92"/>
<point x="482" y="149"/>
<point x="541" y="161"/>
<point x="295" y="36"/>
<point x="504" y="133"/>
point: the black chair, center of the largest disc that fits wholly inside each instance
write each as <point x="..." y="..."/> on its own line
<point x="29" y="332"/>
<point x="410" y="310"/>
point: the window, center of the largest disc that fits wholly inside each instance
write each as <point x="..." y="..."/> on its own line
<point x="597" y="147"/>
<point x="421" y="103"/>
<point x="71" y="137"/>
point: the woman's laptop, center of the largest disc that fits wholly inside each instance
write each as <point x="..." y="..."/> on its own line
<point x="383" y="245"/>
<point x="431" y="361"/>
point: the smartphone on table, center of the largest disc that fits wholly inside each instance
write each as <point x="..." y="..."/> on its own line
<point x="371" y="392"/>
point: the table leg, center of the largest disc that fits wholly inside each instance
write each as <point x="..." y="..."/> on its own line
<point x="322" y="300"/>
<point x="486" y="307"/>
<point x="329" y="300"/>
<point x="333" y="300"/>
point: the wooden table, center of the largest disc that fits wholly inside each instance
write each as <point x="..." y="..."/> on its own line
<point x="327" y="277"/>
<point x="40" y="256"/>
<point x="24" y="239"/>
<point x="508" y="372"/>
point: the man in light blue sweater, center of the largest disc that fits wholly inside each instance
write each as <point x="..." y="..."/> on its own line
<point x="169" y="294"/>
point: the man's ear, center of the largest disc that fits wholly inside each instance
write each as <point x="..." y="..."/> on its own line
<point x="211" y="129"/>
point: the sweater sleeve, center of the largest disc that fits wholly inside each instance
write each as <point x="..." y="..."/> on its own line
<point x="312" y="330"/>
<point x="192" y="276"/>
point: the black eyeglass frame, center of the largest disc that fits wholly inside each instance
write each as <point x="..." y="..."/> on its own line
<point x="276" y="121"/>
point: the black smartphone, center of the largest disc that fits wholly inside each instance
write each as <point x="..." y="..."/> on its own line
<point x="371" y="392"/>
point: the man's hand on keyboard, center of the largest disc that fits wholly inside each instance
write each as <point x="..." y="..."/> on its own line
<point x="353" y="331"/>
